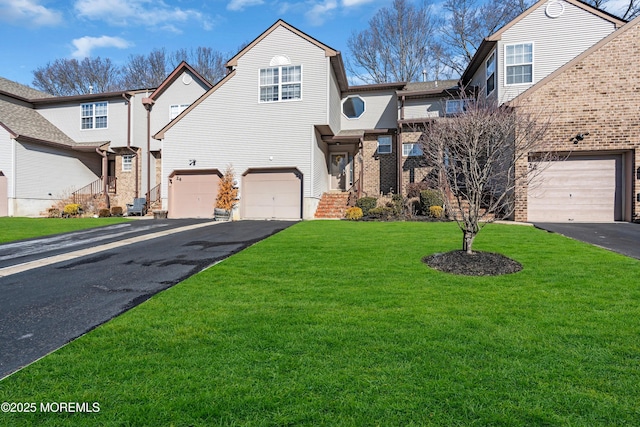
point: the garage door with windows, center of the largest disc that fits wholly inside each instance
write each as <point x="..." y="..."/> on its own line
<point x="271" y="194"/>
<point x="580" y="188"/>
<point x="192" y="194"/>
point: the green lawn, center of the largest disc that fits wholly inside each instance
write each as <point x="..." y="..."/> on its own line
<point x="339" y="323"/>
<point x="25" y="228"/>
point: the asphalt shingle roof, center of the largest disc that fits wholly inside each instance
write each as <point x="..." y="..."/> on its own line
<point x="21" y="90"/>
<point x="24" y="121"/>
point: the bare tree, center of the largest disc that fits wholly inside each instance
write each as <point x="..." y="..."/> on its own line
<point x="468" y="23"/>
<point x="629" y="10"/>
<point x="65" y="77"/>
<point x="396" y="46"/>
<point x="477" y="156"/>
<point x="146" y="71"/>
<point x="208" y="62"/>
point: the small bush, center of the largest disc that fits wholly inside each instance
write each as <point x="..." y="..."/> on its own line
<point x="116" y="211"/>
<point x="397" y="204"/>
<point x="436" y="211"/>
<point x="53" y="213"/>
<point x="104" y="213"/>
<point x="72" y="209"/>
<point x="382" y="213"/>
<point x="413" y="189"/>
<point x="366" y="204"/>
<point x="354" y="213"/>
<point x="429" y="198"/>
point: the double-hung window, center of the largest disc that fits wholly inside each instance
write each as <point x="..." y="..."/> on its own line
<point x="127" y="162"/>
<point x="384" y="144"/>
<point x="491" y="73"/>
<point x="519" y="63"/>
<point x="281" y="83"/>
<point x="411" y="150"/>
<point x="455" y="106"/>
<point x="94" y="115"/>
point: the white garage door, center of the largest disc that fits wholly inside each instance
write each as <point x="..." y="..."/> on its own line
<point x="192" y="194"/>
<point x="272" y="194"/>
<point x="581" y="189"/>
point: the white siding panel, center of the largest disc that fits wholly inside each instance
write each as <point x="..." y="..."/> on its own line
<point x="555" y="42"/>
<point x="231" y="127"/>
<point x="424" y="108"/>
<point x="67" y="119"/>
<point x="49" y="173"/>
<point x="6" y="159"/>
<point x="320" y="169"/>
<point x="381" y="111"/>
<point x="335" y="115"/>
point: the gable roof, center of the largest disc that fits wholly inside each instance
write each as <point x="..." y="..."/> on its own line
<point x="334" y="55"/>
<point x="182" y="67"/>
<point x="488" y="43"/>
<point x="578" y="59"/>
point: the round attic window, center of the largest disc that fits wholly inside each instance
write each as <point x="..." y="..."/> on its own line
<point x="554" y="9"/>
<point x="353" y="107"/>
<point x="187" y="79"/>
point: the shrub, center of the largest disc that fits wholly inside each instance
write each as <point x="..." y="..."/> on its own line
<point x="382" y="212"/>
<point x="429" y="198"/>
<point x="227" y="192"/>
<point x="436" y="211"/>
<point x="354" y="213"/>
<point x="397" y="204"/>
<point x="366" y="204"/>
<point x="116" y="211"/>
<point x="413" y="189"/>
<point x="53" y="213"/>
<point x="104" y="213"/>
<point x="72" y="209"/>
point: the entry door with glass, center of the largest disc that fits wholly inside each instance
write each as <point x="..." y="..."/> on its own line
<point x="339" y="171"/>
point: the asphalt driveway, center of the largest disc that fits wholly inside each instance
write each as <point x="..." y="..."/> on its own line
<point x="106" y="272"/>
<point x="621" y="237"/>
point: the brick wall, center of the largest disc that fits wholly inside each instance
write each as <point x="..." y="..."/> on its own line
<point x="599" y="94"/>
<point x="379" y="175"/>
<point x="126" y="182"/>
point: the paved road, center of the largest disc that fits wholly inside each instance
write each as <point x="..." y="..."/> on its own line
<point x="621" y="237"/>
<point x="43" y="308"/>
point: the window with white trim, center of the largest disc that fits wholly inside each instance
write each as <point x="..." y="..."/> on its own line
<point x="93" y="116"/>
<point x="353" y="107"/>
<point x="455" y="106"/>
<point x="281" y="83"/>
<point x="411" y="150"/>
<point x="384" y="144"/>
<point x="127" y="162"/>
<point x="518" y="59"/>
<point x="491" y="73"/>
<point x="176" y="109"/>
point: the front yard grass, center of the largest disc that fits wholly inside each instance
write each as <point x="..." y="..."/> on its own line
<point x="339" y="323"/>
<point x="16" y="228"/>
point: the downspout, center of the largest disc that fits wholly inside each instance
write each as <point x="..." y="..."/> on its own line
<point x="148" y="104"/>
<point x="127" y="97"/>
<point x="105" y="177"/>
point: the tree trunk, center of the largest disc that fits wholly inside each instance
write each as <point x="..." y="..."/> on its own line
<point x="467" y="241"/>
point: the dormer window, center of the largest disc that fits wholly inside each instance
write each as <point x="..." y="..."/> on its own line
<point x="353" y="107"/>
<point x="281" y="83"/>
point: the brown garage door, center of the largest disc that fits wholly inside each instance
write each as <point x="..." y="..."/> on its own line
<point x="192" y="194"/>
<point x="272" y="194"/>
<point x="581" y="189"/>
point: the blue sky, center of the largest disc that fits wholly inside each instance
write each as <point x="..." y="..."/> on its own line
<point x="35" y="32"/>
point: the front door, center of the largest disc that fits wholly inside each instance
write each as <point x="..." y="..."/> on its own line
<point x="339" y="171"/>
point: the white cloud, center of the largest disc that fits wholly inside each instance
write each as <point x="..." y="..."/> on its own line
<point x="138" y="12"/>
<point x="239" y="5"/>
<point x="320" y="12"/>
<point x="85" y="45"/>
<point x="28" y="12"/>
<point x="353" y="3"/>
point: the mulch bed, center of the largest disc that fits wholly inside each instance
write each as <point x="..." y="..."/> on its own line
<point x="476" y="264"/>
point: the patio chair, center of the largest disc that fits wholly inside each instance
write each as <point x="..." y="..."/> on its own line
<point x="138" y="207"/>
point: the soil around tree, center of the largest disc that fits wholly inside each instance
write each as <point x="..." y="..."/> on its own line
<point x="477" y="264"/>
